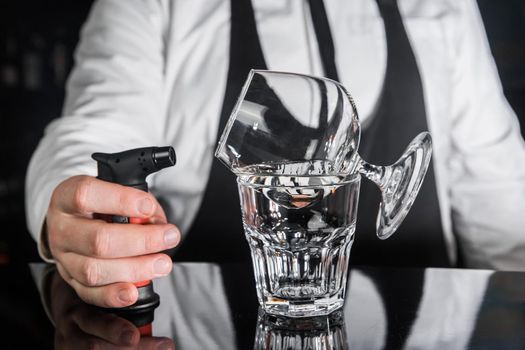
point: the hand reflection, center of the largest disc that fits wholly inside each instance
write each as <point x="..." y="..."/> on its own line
<point x="316" y="333"/>
<point x="79" y="325"/>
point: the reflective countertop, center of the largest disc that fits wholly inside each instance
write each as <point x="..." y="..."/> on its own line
<point x="214" y="306"/>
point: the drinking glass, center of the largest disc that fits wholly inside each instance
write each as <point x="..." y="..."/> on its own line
<point x="292" y="141"/>
<point x="300" y="231"/>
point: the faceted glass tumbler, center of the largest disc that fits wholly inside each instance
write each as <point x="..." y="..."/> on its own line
<point x="300" y="231"/>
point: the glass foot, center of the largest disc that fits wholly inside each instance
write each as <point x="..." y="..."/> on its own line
<point x="399" y="183"/>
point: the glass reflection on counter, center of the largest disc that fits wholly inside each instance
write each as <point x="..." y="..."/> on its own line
<point x="316" y="333"/>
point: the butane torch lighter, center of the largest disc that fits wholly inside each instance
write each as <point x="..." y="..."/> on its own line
<point x="130" y="168"/>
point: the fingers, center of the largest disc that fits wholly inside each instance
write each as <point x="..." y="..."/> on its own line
<point x="109" y="327"/>
<point x="79" y="325"/>
<point x="93" y="272"/>
<point x="71" y="337"/>
<point x="114" y="332"/>
<point x="87" y="195"/>
<point x="79" y="340"/>
<point x="68" y="310"/>
<point x="101" y="260"/>
<point x="97" y="238"/>
<point x="111" y="296"/>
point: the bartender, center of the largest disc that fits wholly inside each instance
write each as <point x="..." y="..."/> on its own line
<point x="169" y="72"/>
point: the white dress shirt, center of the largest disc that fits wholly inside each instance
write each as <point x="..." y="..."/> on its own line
<point x="153" y="72"/>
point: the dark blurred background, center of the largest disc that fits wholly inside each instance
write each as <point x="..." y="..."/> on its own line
<point x="37" y="40"/>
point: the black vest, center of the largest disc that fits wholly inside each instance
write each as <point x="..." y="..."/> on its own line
<point x="217" y="233"/>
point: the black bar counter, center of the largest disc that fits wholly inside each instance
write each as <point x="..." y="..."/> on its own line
<point x="214" y="306"/>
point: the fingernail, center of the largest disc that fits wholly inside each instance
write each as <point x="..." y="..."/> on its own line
<point x="125" y="296"/>
<point x="145" y="206"/>
<point x="161" y="266"/>
<point x="171" y="237"/>
<point x="127" y="337"/>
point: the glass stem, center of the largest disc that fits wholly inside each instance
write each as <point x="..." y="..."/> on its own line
<point x="375" y="173"/>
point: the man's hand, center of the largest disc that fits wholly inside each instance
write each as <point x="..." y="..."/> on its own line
<point x="101" y="260"/>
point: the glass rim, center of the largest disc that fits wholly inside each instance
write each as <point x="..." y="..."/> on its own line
<point x="346" y="179"/>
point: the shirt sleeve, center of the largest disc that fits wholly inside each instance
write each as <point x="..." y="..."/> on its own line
<point x="487" y="163"/>
<point x="114" y="100"/>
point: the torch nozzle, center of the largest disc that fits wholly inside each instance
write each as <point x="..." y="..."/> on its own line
<point x="164" y="157"/>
